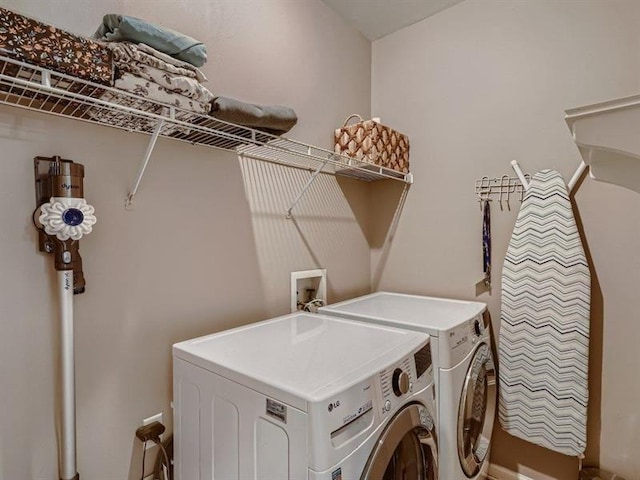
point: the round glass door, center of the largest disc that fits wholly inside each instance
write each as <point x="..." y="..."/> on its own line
<point x="476" y="411"/>
<point x="407" y="449"/>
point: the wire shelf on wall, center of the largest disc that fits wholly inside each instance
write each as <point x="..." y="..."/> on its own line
<point x="35" y="88"/>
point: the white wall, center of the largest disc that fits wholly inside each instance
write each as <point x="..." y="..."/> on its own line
<point x="474" y="87"/>
<point x="207" y="246"/>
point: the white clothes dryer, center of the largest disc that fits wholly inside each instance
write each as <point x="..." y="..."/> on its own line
<point x="465" y="377"/>
<point x="305" y="397"/>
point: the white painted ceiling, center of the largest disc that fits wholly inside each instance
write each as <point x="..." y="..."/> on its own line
<point x="377" y="18"/>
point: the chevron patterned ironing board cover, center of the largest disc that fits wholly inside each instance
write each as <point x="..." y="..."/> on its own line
<point x="544" y="330"/>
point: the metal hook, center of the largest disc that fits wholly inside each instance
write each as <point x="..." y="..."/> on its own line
<point x="505" y="187"/>
<point x="484" y="190"/>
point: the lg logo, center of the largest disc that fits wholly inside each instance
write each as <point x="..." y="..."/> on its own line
<point x="333" y="405"/>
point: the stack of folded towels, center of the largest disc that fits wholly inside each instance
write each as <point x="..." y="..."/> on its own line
<point x="162" y="65"/>
<point x="157" y="63"/>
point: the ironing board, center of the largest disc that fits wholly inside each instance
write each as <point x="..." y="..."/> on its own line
<point x="544" y="331"/>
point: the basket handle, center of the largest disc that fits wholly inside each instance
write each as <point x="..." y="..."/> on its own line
<point x="354" y="115"/>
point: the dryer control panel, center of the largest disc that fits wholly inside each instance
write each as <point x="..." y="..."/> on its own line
<point x="462" y="340"/>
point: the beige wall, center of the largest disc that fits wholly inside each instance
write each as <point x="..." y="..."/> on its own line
<point x="481" y="84"/>
<point x="207" y="246"/>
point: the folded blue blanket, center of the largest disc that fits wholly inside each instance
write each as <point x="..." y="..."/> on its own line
<point x="117" y="28"/>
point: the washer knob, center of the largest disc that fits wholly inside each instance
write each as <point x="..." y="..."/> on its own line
<point x="400" y="382"/>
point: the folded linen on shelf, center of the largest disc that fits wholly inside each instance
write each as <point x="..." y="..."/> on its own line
<point x="179" y="80"/>
<point x="115" y="28"/>
<point x="37" y="43"/>
<point x="138" y="123"/>
<point x="151" y="90"/>
<point x="273" y="119"/>
<point x="126" y="52"/>
<point x="172" y="61"/>
<point x="189" y="87"/>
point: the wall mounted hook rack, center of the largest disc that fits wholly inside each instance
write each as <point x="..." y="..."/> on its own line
<point x="502" y="187"/>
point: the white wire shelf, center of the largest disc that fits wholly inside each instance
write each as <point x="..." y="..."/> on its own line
<point x="35" y="88"/>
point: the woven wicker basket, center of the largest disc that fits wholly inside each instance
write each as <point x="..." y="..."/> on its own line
<point x="373" y="142"/>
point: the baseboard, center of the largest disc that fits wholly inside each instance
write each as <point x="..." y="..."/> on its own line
<point x="498" y="472"/>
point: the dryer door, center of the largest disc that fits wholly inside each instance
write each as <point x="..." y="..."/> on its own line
<point x="407" y="448"/>
<point x="476" y="411"/>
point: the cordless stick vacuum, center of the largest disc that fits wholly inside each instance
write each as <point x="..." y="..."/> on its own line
<point x="62" y="217"/>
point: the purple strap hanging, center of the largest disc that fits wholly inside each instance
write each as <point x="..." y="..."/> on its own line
<point x="486" y="243"/>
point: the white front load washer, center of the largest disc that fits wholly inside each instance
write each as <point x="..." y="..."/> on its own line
<point x="305" y="397"/>
<point x="465" y="377"/>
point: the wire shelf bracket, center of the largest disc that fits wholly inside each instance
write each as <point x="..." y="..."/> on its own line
<point x="314" y="175"/>
<point x="143" y="166"/>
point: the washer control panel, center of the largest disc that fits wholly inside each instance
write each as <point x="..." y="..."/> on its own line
<point x="401" y="380"/>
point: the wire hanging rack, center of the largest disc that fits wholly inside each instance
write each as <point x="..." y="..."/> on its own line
<point x="487" y="188"/>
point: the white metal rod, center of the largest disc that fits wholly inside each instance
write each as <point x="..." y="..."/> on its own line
<point x="46" y="78"/>
<point x="576" y="176"/>
<point x="67" y="365"/>
<point x="518" y="170"/>
<point x="306" y="187"/>
<point x="81" y="98"/>
<point x="145" y="161"/>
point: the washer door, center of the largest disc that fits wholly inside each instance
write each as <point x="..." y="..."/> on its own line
<point x="476" y="411"/>
<point x="407" y="449"/>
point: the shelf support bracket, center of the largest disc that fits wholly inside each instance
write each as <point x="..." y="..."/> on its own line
<point x="143" y="166"/>
<point x="314" y="175"/>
